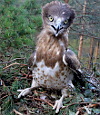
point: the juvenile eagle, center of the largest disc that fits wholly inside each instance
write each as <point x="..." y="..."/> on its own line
<point x="53" y="64"/>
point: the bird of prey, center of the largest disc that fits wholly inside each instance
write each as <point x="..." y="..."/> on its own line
<point x="53" y="65"/>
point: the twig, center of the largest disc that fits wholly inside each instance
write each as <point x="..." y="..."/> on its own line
<point x="18" y="113"/>
<point x="4" y="97"/>
<point x="44" y="101"/>
<point x="93" y="105"/>
<point x="79" y="103"/>
<point x="14" y="64"/>
<point x="87" y="108"/>
<point x="85" y="35"/>
<point x="12" y="60"/>
<point x="93" y="84"/>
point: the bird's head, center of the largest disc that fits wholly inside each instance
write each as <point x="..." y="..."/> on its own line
<point x="57" y="17"/>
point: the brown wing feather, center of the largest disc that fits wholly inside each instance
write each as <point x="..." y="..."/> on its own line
<point x="72" y="60"/>
<point x="73" y="63"/>
<point x="32" y="60"/>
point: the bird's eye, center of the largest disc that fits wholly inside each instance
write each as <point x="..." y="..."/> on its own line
<point x="66" y="21"/>
<point x="50" y="19"/>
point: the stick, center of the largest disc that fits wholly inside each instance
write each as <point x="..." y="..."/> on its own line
<point x="86" y="108"/>
<point x="80" y="103"/>
<point x="12" y="60"/>
<point x="84" y="34"/>
<point x="18" y="113"/>
<point x="44" y="101"/>
<point x="14" y="64"/>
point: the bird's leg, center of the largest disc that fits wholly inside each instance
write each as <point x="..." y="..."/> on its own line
<point x="70" y="85"/>
<point x="58" y="103"/>
<point x="26" y="91"/>
<point x="65" y="93"/>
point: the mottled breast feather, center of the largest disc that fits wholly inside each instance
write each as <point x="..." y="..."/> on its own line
<point x="50" y="49"/>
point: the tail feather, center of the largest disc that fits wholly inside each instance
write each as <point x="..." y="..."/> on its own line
<point x="79" y="78"/>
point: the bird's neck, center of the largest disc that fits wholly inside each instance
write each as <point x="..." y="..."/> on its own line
<point x="50" y="48"/>
<point x="48" y="38"/>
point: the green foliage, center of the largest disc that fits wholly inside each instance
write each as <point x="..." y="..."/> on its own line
<point x="8" y="106"/>
<point x="20" y="22"/>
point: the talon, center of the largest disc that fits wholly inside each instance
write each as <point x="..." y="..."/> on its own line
<point x="19" y="90"/>
<point x="23" y="92"/>
<point x="54" y="107"/>
<point x="58" y="105"/>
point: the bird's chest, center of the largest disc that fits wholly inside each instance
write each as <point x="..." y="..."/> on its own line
<point x="56" y="77"/>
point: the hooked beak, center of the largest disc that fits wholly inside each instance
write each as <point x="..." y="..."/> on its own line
<point x="57" y="27"/>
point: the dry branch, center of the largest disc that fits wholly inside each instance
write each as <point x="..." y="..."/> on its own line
<point x="14" y="64"/>
<point x="81" y="33"/>
<point x="44" y="101"/>
<point x="81" y="103"/>
<point x="12" y="60"/>
<point x="16" y="112"/>
<point x="87" y="108"/>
